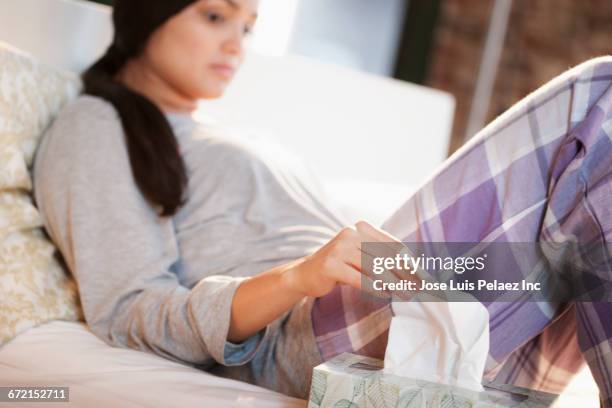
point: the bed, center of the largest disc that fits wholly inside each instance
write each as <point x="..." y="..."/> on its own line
<point x="68" y="354"/>
<point x="414" y="119"/>
<point x="411" y="133"/>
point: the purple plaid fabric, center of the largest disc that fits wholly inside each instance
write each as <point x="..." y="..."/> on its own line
<point x="541" y="172"/>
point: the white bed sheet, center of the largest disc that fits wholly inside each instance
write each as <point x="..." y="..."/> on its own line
<point x="68" y="354"/>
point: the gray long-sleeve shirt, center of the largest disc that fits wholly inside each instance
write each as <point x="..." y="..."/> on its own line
<point x="166" y="285"/>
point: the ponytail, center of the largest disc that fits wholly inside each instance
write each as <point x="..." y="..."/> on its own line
<point x="157" y="166"/>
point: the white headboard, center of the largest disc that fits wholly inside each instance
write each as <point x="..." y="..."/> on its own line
<point x="351" y="125"/>
<point x="66" y="33"/>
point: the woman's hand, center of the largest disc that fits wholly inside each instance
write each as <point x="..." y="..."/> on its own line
<point x="339" y="261"/>
<point x="264" y="297"/>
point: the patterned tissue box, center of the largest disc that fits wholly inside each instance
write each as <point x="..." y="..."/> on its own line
<point x="354" y="381"/>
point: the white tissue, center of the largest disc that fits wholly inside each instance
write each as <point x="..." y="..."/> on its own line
<point x="441" y="342"/>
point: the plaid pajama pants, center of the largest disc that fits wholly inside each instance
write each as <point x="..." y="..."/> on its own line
<point x="541" y="172"/>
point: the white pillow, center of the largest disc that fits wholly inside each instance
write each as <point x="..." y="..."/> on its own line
<point x="34" y="287"/>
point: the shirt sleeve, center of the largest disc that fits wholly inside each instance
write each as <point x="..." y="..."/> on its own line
<point x="123" y="255"/>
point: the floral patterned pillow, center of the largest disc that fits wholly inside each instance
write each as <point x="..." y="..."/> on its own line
<point x="34" y="286"/>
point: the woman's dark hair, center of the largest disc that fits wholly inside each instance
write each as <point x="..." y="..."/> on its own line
<point x="157" y="166"/>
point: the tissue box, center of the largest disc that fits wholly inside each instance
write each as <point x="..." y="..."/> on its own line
<point x="354" y="381"/>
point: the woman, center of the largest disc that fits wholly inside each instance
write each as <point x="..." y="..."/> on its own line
<point x="202" y="248"/>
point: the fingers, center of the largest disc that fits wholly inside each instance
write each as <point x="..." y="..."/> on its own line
<point x="346" y="274"/>
<point x="387" y="276"/>
<point x="355" y="262"/>
<point x="348" y="245"/>
<point x="383" y="245"/>
<point x="351" y="253"/>
<point x="364" y="232"/>
<point x="388" y="246"/>
<point x="361" y="263"/>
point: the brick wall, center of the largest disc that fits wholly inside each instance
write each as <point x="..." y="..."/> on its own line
<point x="544" y="38"/>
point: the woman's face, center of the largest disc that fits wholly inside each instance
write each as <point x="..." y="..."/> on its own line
<point x="197" y="52"/>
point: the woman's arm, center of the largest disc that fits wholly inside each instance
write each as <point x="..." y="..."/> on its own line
<point x="261" y="299"/>
<point x="123" y="256"/>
